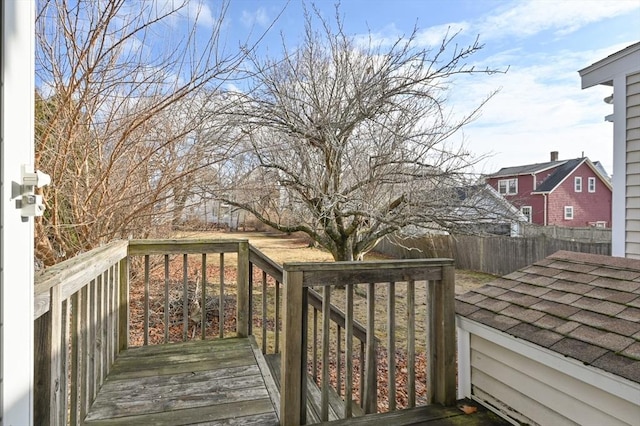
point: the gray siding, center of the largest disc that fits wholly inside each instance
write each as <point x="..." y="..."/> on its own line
<point x="632" y="214"/>
<point x="530" y="392"/>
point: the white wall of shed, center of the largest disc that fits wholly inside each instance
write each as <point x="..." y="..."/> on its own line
<point x="535" y="385"/>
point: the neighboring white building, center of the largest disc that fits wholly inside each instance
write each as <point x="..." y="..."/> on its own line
<point x="621" y="70"/>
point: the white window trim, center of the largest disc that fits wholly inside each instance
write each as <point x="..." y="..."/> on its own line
<point x="591" y="184"/>
<point x="567" y="215"/>
<point x="530" y="215"/>
<point x="507" y="186"/>
<point x="577" y="184"/>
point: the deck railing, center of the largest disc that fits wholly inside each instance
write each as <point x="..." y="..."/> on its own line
<point x="140" y="292"/>
<point x="80" y="315"/>
<point x="342" y="279"/>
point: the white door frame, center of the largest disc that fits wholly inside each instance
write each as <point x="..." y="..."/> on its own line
<point x="16" y="235"/>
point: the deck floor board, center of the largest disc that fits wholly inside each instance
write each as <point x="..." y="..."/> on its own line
<point x="215" y="382"/>
<point x="227" y="382"/>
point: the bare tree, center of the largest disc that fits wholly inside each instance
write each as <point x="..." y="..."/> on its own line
<point x="352" y="140"/>
<point x="127" y="112"/>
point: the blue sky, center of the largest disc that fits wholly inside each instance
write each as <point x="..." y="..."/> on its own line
<point x="540" y="106"/>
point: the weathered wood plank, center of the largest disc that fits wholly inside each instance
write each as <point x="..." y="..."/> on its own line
<point x="391" y="344"/>
<point x="336" y="403"/>
<point x="269" y="381"/>
<point x="243" y="314"/>
<point x="123" y="304"/>
<point x="324" y="398"/>
<point x="253" y="412"/>
<point x="290" y="389"/>
<point x="411" y="344"/>
<point x="215" y="345"/>
<point x="427" y="415"/>
<point x="369" y="392"/>
<point x="190" y="246"/>
<point x="75" y="273"/>
<point x="260" y="260"/>
<point x="343" y="273"/>
<point x="220" y="384"/>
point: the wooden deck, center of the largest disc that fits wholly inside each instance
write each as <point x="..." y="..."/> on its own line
<point x="228" y="382"/>
<point x="213" y="382"/>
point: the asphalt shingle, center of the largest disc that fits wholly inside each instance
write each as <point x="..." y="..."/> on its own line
<point x="580" y="305"/>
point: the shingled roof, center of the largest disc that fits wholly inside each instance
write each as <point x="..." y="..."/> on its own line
<point x="583" y="306"/>
<point x="526" y="169"/>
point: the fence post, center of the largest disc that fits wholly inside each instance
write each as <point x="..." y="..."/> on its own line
<point x="243" y="308"/>
<point x="443" y="332"/>
<point x="123" y="304"/>
<point x="291" y="392"/>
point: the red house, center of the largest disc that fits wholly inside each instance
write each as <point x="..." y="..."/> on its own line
<point x="571" y="193"/>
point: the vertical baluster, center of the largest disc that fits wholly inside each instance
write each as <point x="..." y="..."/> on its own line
<point x="362" y="363"/>
<point x="370" y="380"/>
<point x="98" y="337"/>
<point x="185" y="299"/>
<point x="109" y="319"/>
<point x="264" y="312"/>
<point x="166" y="298"/>
<point x="84" y="351"/>
<point x="55" y="355"/>
<point x="123" y="304"/>
<point x="93" y="388"/>
<point x="105" y="322"/>
<point x="430" y="339"/>
<point x="391" y="344"/>
<point x="411" y="344"/>
<point x="221" y="299"/>
<point x="75" y="377"/>
<point x="146" y="300"/>
<point x="64" y="362"/>
<point x="326" y="312"/>
<point x="203" y="302"/>
<point x="338" y="360"/>
<point x="348" y="356"/>
<point x="251" y="294"/>
<point x="304" y="339"/>
<point x="104" y="330"/>
<point x="314" y="345"/>
<point x="276" y="349"/>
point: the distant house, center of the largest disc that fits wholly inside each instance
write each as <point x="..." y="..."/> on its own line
<point x="555" y="343"/>
<point x="621" y="70"/>
<point x="573" y="193"/>
<point x="488" y="211"/>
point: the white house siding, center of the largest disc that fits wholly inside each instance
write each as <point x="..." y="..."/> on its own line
<point x="531" y="392"/>
<point x="632" y="214"/>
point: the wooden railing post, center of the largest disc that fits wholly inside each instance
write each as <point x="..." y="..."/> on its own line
<point x="42" y="368"/>
<point x="243" y="313"/>
<point x="123" y="304"/>
<point x="443" y="329"/>
<point x="291" y="395"/>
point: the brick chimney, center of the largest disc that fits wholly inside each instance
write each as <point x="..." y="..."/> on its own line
<point x="554" y="155"/>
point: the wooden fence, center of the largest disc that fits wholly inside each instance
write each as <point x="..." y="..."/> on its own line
<point x="489" y="254"/>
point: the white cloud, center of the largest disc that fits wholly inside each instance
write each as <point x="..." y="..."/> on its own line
<point x="259" y="17"/>
<point x="540" y="108"/>
<point x="433" y="36"/>
<point x="527" y="18"/>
